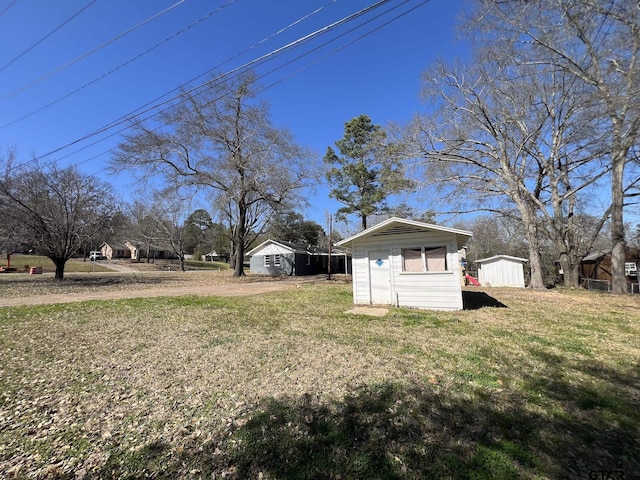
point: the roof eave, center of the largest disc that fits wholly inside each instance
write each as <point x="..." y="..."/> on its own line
<point x="460" y="234"/>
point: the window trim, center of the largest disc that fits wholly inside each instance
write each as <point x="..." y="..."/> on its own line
<point x="267" y="260"/>
<point x="276" y="260"/>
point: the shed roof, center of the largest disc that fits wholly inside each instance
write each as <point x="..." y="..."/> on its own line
<point x="396" y="226"/>
<point x="595" y="256"/>
<point x="503" y="257"/>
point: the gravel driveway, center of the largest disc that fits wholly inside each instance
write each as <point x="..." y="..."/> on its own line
<point x="41" y="291"/>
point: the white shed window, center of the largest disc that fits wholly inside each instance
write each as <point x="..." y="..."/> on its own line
<point x="424" y="259"/>
<point x="412" y="260"/>
<point x="267" y="260"/>
<point x="276" y="260"/>
<point x="436" y="259"/>
<point x="630" y="268"/>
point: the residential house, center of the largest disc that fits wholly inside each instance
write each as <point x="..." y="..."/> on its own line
<point x="141" y="251"/>
<point x="114" y="250"/>
<point x="273" y="257"/>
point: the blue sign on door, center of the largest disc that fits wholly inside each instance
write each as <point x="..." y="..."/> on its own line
<point x="379" y="262"/>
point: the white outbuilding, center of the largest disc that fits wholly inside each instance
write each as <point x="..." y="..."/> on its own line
<point x="408" y="264"/>
<point x="501" y="271"/>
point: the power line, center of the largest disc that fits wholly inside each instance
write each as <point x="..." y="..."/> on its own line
<point x="90" y="52"/>
<point x="48" y="34"/>
<point x="11" y="4"/>
<point x="286" y="77"/>
<point x="210" y="83"/>
<point x="245" y="66"/>
<point x="141" y="109"/>
<point x="348" y="44"/>
<point x="128" y="116"/>
<point x="119" y="67"/>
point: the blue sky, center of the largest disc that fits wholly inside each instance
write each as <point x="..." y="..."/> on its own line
<point x="378" y="75"/>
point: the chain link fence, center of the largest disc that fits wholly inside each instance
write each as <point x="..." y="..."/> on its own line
<point x="605" y="285"/>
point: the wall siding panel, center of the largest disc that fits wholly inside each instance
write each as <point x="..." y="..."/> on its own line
<point x="256" y="265"/>
<point x="502" y="273"/>
<point x="433" y="290"/>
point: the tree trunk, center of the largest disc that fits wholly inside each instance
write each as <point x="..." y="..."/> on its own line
<point x="232" y="252"/>
<point x="533" y="238"/>
<point x="364" y="221"/>
<point x="572" y="277"/>
<point x="570" y="271"/>
<point x="618" y="253"/>
<point x="536" y="282"/>
<point x="239" y="267"/>
<point x="59" y="263"/>
<point x="238" y="239"/>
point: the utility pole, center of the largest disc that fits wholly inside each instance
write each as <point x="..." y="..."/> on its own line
<point x="330" y="241"/>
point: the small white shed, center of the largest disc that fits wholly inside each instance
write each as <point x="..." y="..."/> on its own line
<point x="408" y="264"/>
<point x="501" y="271"/>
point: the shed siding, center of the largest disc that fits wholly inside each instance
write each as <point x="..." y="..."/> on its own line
<point x="433" y="290"/>
<point x="501" y="273"/>
<point x="361" y="293"/>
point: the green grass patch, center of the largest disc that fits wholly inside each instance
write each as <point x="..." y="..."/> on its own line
<point x="417" y="318"/>
<point x="218" y="266"/>
<point x="412" y="350"/>
<point x="288" y="385"/>
<point x="575" y="345"/>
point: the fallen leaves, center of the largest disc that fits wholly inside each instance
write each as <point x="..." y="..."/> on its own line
<point x="96" y="388"/>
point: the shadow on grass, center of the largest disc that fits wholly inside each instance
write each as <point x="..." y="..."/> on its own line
<point x="396" y="431"/>
<point x="477" y="300"/>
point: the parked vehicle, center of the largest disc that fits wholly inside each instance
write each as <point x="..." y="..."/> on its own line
<point x="95" y="255"/>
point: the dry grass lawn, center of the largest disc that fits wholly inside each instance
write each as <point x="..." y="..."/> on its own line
<point x="288" y="385"/>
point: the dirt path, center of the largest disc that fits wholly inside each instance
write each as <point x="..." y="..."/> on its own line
<point x="221" y="289"/>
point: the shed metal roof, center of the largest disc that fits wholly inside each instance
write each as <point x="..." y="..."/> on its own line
<point x="595" y="256"/>
<point x="397" y="226"/>
<point x="505" y="257"/>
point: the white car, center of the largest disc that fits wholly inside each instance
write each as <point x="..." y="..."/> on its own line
<point x="94" y="255"/>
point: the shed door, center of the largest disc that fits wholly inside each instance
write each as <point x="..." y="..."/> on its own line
<point x="379" y="279"/>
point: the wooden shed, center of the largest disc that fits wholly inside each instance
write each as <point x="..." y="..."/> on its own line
<point x="501" y="271"/>
<point x="408" y="264"/>
<point x="597" y="265"/>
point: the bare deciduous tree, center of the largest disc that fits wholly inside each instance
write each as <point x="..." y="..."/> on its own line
<point x="168" y="213"/>
<point x="222" y="140"/>
<point x="58" y="211"/>
<point x="477" y="145"/>
<point x="597" y="44"/>
<point x="518" y="126"/>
